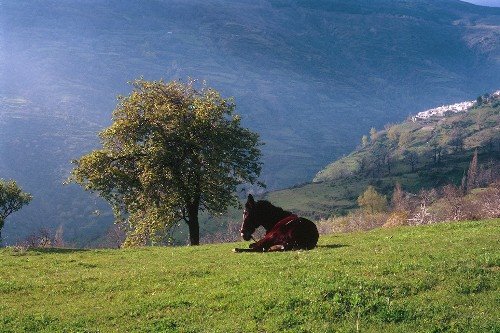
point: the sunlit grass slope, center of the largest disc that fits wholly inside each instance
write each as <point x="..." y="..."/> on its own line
<point x="416" y="279"/>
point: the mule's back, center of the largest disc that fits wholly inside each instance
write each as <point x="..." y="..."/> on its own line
<point x="303" y="234"/>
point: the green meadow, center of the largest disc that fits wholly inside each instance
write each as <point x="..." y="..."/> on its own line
<point x="438" y="278"/>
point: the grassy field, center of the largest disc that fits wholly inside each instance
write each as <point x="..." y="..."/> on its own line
<point x="435" y="278"/>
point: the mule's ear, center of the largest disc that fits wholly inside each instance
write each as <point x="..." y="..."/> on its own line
<point x="250" y="200"/>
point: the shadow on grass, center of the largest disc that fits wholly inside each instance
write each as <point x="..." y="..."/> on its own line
<point x="56" y="250"/>
<point x="326" y="246"/>
<point x="332" y="246"/>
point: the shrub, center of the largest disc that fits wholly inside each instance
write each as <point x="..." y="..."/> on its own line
<point x="39" y="239"/>
<point x="356" y="221"/>
<point x="489" y="201"/>
<point x="372" y="202"/>
<point x="429" y="206"/>
<point x="396" y="219"/>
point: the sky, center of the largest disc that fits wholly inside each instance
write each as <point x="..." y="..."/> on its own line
<point x="491" y="3"/>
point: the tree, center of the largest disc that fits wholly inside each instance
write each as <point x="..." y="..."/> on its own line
<point x="404" y="139"/>
<point x="437" y="150"/>
<point x="456" y="142"/>
<point x="373" y="134"/>
<point x="364" y="140"/>
<point x="12" y="198"/>
<point x="479" y="101"/>
<point x="412" y="158"/>
<point x="393" y="134"/>
<point x="472" y="174"/>
<point x="398" y="198"/>
<point x="171" y="151"/>
<point x="372" y="201"/>
<point x="454" y="201"/>
<point x="382" y="157"/>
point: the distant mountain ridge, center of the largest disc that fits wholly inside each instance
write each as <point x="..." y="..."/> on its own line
<point x="309" y="76"/>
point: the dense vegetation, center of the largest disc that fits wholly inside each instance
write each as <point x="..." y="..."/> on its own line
<point x="310" y="77"/>
<point x="420" y="279"/>
<point x="420" y="154"/>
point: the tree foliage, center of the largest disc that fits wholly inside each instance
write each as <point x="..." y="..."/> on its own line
<point x="393" y="134"/>
<point x="472" y="173"/>
<point x="372" y="201"/>
<point x="373" y="134"/>
<point x="171" y="151"/>
<point x="411" y="158"/>
<point x="12" y="198"/>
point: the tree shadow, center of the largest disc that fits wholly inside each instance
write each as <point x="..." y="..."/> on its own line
<point x="325" y="246"/>
<point x="332" y="246"/>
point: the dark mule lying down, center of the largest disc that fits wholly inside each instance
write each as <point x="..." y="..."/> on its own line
<point x="284" y="230"/>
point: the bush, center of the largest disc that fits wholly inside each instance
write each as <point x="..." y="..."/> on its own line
<point x="488" y="201"/>
<point x="372" y="202"/>
<point x="356" y="221"/>
<point x="396" y="219"/>
<point x="430" y="206"/>
<point x="40" y="239"/>
<point x="479" y="204"/>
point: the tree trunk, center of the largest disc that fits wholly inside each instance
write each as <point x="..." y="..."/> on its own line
<point x="1" y="226"/>
<point x="194" y="225"/>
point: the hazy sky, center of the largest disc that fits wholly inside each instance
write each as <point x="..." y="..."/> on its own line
<point x="492" y="3"/>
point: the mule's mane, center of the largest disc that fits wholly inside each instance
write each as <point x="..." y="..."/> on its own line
<point x="272" y="213"/>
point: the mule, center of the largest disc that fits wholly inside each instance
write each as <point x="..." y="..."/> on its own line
<point x="284" y="230"/>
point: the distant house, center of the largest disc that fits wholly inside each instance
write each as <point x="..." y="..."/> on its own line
<point x="442" y="110"/>
<point x="453" y="108"/>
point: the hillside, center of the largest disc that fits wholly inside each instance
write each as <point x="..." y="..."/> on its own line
<point x="415" y="279"/>
<point x="431" y="149"/>
<point x="310" y="77"/>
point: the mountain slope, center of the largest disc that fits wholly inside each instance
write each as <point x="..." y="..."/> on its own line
<point x="419" y="153"/>
<point x="310" y="77"/>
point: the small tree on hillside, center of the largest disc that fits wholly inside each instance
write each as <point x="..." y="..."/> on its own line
<point x="364" y="140"/>
<point x="454" y="201"/>
<point x="472" y="173"/>
<point x="404" y="139"/>
<point x="437" y="151"/>
<point x="393" y="135"/>
<point x="373" y="134"/>
<point x="171" y="151"/>
<point x="12" y="198"/>
<point x="382" y="157"/>
<point x="372" y="202"/>
<point x="456" y="141"/>
<point x="398" y="198"/>
<point x="411" y="158"/>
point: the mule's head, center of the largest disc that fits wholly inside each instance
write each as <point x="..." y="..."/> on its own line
<point x="250" y="222"/>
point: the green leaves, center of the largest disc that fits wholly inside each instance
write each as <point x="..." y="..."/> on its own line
<point x="170" y="148"/>
<point x="12" y="198"/>
<point x="372" y="201"/>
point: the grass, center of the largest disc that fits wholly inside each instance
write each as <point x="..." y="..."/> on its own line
<point x="435" y="278"/>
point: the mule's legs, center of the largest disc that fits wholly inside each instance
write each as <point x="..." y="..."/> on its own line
<point x="263" y="245"/>
<point x="276" y="248"/>
<point x="237" y="250"/>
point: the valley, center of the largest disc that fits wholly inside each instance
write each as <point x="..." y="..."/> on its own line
<point x="309" y="78"/>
